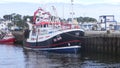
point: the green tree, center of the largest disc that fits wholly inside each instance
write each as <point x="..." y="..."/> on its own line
<point x="15" y="18"/>
<point x="7" y="17"/>
<point x="86" y="19"/>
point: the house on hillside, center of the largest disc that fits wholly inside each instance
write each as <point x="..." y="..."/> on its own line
<point x="4" y="24"/>
<point x="89" y="26"/>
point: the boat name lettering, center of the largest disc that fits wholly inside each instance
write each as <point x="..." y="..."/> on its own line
<point x="57" y="39"/>
<point x="40" y="37"/>
<point x="32" y="38"/>
<point x="47" y="36"/>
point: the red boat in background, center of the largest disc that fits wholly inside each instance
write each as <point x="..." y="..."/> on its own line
<point x="6" y="37"/>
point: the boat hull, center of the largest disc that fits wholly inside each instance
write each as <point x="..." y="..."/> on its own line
<point x="64" y="42"/>
<point x="10" y="40"/>
<point x="69" y="49"/>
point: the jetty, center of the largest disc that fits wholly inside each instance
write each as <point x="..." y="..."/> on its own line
<point x="102" y="41"/>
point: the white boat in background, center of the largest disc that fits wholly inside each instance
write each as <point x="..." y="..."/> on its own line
<point x="6" y="36"/>
<point x="49" y="34"/>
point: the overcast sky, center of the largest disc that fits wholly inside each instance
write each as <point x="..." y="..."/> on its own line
<point x="64" y="1"/>
<point x="90" y="8"/>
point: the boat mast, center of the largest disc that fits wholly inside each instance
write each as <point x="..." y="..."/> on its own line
<point x="56" y="18"/>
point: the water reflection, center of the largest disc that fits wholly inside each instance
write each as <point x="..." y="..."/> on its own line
<point x="94" y="60"/>
<point x="51" y="60"/>
<point x="56" y="60"/>
<point x="13" y="56"/>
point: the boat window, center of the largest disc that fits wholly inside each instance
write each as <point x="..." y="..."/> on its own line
<point x="37" y="19"/>
<point x="45" y="25"/>
<point x="85" y="26"/>
<point x="41" y="17"/>
<point x="41" y="26"/>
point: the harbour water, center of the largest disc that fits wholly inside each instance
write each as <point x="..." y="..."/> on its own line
<point x="14" y="56"/>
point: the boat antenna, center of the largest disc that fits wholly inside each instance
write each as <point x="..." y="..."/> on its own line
<point x="72" y="13"/>
<point x="55" y="13"/>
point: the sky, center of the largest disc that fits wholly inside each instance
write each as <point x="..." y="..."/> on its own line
<point x="90" y="8"/>
<point x="63" y="1"/>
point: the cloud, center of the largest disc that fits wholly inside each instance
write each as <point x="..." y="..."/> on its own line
<point x="35" y="1"/>
<point x="88" y="2"/>
<point x="80" y="10"/>
<point x="84" y="2"/>
<point x="114" y="0"/>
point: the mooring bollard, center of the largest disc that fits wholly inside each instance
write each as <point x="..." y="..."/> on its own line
<point x="108" y="31"/>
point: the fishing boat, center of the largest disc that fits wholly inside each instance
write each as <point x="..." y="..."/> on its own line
<point x="6" y="37"/>
<point x="49" y="34"/>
